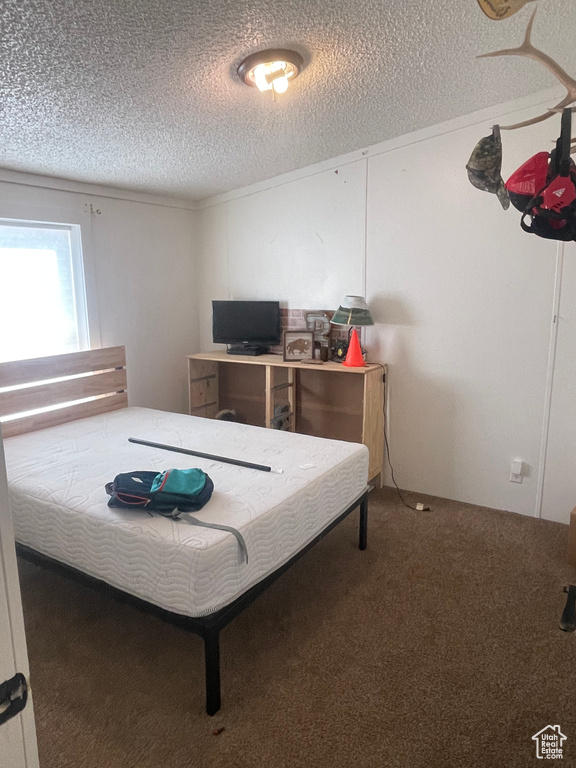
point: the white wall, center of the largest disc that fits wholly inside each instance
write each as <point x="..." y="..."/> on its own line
<point x="297" y="243"/>
<point x="140" y="257"/>
<point x="463" y="299"/>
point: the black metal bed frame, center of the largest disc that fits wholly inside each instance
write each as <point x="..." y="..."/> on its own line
<point x="207" y="627"/>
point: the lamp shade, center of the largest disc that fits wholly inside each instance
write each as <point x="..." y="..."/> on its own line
<point x="352" y="311"/>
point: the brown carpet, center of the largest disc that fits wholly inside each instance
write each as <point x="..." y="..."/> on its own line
<point x="437" y="646"/>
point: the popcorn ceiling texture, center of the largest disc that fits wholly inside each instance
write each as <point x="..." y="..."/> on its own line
<point x="143" y="94"/>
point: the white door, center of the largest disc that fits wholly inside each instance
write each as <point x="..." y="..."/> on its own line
<point x="18" y="735"/>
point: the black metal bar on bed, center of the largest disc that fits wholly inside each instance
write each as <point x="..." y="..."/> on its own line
<point x="207" y="627"/>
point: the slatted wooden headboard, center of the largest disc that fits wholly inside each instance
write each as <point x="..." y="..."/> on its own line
<point x="62" y="381"/>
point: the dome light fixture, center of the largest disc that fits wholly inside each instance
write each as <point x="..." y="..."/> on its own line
<point x="271" y="70"/>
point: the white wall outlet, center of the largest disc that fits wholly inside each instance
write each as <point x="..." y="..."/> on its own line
<point x="516" y="471"/>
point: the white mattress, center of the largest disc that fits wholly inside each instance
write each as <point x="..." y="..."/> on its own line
<point x="57" y="477"/>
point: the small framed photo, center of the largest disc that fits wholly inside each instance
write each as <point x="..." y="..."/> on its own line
<point x="298" y="345"/>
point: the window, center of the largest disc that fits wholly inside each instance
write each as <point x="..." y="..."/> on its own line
<point x="43" y="307"/>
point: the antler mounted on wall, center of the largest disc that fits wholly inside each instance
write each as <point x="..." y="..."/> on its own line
<point x="529" y="51"/>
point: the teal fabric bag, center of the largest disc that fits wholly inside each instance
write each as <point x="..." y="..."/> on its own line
<point x="164" y="492"/>
<point x="173" y="493"/>
<point x="183" y="488"/>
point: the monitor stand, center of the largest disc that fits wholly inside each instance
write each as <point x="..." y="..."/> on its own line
<point x="247" y="349"/>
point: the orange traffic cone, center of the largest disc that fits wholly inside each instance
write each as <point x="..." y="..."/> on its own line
<point x="354" y="357"/>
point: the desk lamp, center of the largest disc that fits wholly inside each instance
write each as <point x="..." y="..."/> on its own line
<point x="353" y="311"/>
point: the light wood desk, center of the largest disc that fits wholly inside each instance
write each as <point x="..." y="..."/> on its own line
<point x="328" y="400"/>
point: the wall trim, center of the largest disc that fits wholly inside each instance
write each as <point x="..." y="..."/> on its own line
<point x="552" y="346"/>
<point x="93" y="190"/>
<point x="487" y="115"/>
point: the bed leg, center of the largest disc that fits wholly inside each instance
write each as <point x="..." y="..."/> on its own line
<point x="363" y="538"/>
<point x="212" y="666"/>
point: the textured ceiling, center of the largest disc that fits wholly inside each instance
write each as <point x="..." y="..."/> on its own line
<point x="143" y="94"/>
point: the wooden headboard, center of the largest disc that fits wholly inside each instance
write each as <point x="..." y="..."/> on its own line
<point x="62" y="381"/>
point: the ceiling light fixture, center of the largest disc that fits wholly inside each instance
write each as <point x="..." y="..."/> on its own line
<point x="271" y="70"/>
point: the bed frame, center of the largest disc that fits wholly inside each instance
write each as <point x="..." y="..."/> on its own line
<point x="87" y="383"/>
<point x="72" y="386"/>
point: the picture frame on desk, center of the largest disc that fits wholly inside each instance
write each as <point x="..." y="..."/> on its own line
<point x="297" y="345"/>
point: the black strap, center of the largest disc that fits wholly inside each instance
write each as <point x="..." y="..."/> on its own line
<point x="565" y="233"/>
<point x="565" y="136"/>
<point x="526" y="227"/>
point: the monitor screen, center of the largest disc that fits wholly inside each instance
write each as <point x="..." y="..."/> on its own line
<point x="246" y="322"/>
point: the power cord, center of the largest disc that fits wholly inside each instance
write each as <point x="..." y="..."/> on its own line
<point x="419" y="507"/>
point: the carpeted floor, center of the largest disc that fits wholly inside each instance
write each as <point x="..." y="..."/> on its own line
<point x="437" y="646"/>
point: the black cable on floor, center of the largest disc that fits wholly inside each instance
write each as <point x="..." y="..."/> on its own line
<point x="424" y="509"/>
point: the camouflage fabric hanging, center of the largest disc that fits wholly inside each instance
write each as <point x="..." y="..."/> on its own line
<point x="484" y="167"/>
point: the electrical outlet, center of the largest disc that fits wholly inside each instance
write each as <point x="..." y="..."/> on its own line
<point x="516" y="468"/>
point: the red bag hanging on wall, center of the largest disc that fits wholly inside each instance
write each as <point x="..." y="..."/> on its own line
<point x="544" y="189"/>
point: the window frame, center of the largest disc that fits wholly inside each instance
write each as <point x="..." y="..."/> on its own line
<point x="78" y="219"/>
